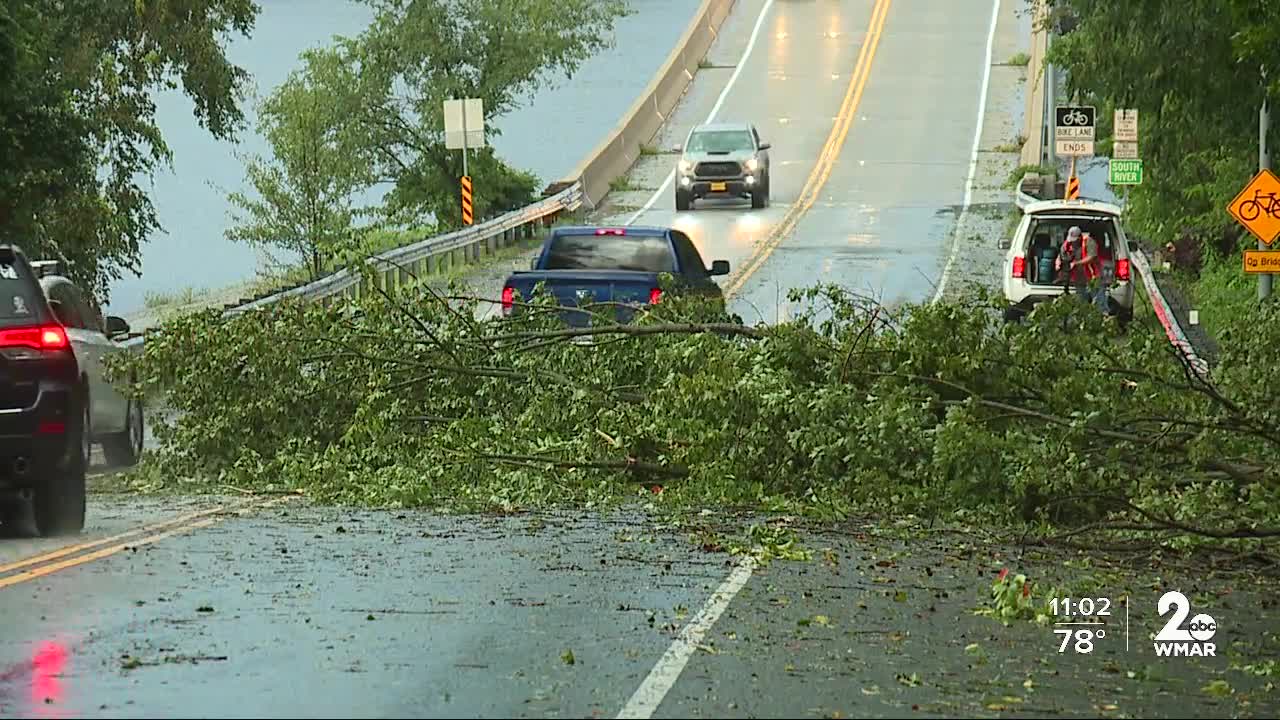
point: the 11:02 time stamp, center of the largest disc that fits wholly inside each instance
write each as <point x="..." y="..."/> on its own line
<point x="1082" y="622"/>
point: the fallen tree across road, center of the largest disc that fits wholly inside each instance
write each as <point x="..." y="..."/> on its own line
<point x="938" y="410"/>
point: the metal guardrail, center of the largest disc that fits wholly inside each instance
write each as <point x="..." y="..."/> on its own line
<point x="1168" y="318"/>
<point x="395" y="268"/>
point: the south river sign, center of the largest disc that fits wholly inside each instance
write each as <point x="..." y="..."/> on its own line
<point x="1125" y="172"/>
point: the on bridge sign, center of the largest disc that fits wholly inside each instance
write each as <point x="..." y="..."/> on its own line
<point x="1073" y="129"/>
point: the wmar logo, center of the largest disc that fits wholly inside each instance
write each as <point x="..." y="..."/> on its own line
<point x="1173" y="640"/>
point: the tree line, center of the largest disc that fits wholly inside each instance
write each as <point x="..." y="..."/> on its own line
<point x="80" y="140"/>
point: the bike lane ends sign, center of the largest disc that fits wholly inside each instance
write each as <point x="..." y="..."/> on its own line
<point x="1257" y="207"/>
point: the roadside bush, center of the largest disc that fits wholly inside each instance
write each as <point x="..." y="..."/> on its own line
<point x="1064" y="420"/>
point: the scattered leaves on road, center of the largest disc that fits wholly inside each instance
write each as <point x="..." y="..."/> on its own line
<point x="912" y="680"/>
<point x="1218" y="688"/>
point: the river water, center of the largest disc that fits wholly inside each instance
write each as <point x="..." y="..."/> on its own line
<point x="548" y="136"/>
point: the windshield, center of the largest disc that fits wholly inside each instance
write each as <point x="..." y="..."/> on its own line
<point x="611" y="252"/>
<point x="720" y="141"/>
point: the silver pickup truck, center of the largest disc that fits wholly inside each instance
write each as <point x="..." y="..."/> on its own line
<point x="725" y="160"/>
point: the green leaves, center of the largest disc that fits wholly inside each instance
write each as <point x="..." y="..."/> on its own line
<point x="306" y="190"/>
<point x="933" y="410"/>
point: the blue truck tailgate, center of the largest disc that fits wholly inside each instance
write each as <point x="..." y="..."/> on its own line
<point x="574" y="288"/>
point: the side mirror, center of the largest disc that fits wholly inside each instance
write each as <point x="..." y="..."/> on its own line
<point x="678" y="147"/>
<point x="719" y="267"/>
<point x="116" y="326"/>
<point x="765" y="146"/>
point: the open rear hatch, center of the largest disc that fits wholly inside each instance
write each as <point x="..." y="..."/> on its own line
<point x="1039" y="258"/>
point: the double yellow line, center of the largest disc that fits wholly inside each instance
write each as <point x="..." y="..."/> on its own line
<point x="827" y="157"/>
<point x="21" y="571"/>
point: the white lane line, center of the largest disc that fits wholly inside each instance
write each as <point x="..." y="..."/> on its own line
<point x="742" y="62"/>
<point x="973" y="156"/>
<point x="644" y="703"/>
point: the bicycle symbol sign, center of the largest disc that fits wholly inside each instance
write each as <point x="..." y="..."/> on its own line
<point x="1072" y="116"/>
<point x="1257" y="207"/>
<point x="1075" y="116"/>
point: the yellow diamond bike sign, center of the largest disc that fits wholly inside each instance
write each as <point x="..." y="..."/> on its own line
<point x="1125" y="172"/>
<point x="1257" y="207"/>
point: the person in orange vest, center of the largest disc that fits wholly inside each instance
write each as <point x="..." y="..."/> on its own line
<point x="1084" y="267"/>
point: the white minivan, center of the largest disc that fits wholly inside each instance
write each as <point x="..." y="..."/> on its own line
<point x="1029" y="265"/>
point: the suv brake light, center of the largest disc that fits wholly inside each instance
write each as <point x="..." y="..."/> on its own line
<point x="508" y="298"/>
<point x="611" y="231"/>
<point x="1122" y="269"/>
<point x="1019" y="266"/>
<point x="655" y="295"/>
<point x="41" y="337"/>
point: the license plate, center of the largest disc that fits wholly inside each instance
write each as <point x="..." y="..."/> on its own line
<point x="717" y="187"/>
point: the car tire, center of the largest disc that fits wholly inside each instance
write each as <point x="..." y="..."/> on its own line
<point x="1124" y="316"/>
<point x="684" y="201"/>
<point x="124" y="449"/>
<point x="1014" y="314"/>
<point x="759" y="198"/>
<point x="58" y="504"/>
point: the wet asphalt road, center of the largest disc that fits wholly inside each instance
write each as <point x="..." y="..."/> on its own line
<point x="322" y="612"/>
<point x="882" y="218"/>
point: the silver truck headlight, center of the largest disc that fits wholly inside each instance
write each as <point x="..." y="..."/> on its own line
<point x="753" y="164"/>
<point x="686" y="167"/>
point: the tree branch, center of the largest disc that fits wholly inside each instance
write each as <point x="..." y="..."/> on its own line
<point x="629" y="465"/>
<point x="637" y="330"/>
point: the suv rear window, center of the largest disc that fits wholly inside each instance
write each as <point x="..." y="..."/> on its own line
<point x="642" y="253"/>
<point x="19" y="301"/>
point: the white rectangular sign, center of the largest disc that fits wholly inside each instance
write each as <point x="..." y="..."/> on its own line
<point x="1073" y="147"/>
<point x="1124" y="150"/>
<point x="463" y="123"/>
<point x="1126" y="129"/>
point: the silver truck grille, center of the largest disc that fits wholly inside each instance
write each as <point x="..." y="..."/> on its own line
<point x="718" y="169"/>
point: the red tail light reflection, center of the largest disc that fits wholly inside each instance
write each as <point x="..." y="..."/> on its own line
<point x="46" y="666"/>
<point x="1122" y="269"/>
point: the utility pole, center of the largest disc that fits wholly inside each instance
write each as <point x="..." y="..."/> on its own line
<point x="1264" y="163"/>
<point x="1050" y="95"/>
<point x="465" y="128"/>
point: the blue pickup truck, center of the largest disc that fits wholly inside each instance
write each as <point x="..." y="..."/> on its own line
<point x="581" y="265"/>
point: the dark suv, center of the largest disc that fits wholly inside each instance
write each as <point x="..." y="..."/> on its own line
<point x="44" y="449"/>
